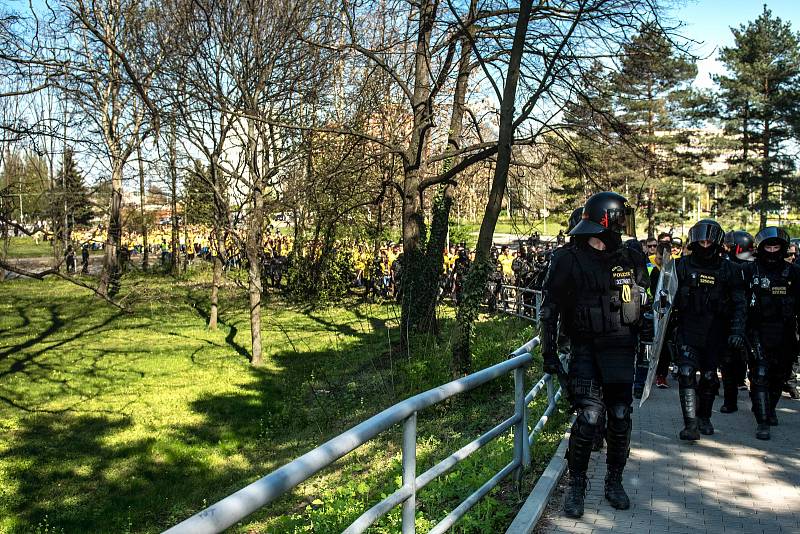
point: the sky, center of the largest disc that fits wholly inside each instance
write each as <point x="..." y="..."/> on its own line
<point x="709" y="21"/>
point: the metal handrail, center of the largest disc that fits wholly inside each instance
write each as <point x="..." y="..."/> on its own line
<point x="512" y="301"/>
<point x="247" y="500"/>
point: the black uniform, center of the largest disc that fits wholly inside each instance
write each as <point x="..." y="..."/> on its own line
<point x="774" y="306"/>
<point x="85" y="259"/>
<point x="584" y="287"/>
<point x="733" y="366"/>
<point x="709" y="309"/>
<point x="596" y="298"/>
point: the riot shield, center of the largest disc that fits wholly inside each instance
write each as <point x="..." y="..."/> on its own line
<point x="663" y="300"/>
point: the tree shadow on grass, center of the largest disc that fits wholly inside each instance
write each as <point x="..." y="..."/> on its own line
<point x="201" y="302"/>
<point x="74" y="473"/>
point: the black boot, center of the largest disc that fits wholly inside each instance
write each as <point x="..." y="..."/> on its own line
<point x="690" y="431"/>
<point x="774" y="397"/>
<point x="575" y="495"/>
<point x="704" y="414"/>
<point x="730" y="394"/>
<point x="760" y="399"/>
<point x="580" y="449"/>
<point x="615" y="493"/>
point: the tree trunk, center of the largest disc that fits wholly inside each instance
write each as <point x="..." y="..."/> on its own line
<point x="145" y="247"/>
<point x="254" y="273"/>
<point x="110" y="278"/>
<point x="443" y="202"/>
<point x="479" y="272"/>
<point x="765" y="177"/>
<point x="173" y="172"/>
<point x="414" y="234"/>
<point x="220" y="223"/>
<point x="215" y="283"/>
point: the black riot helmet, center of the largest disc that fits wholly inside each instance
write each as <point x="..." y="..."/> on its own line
<point x="772" y="235"/>
<point x="574" y="218"/>
<point x="605" y="212"/>
<point x="741" y="245"/>
<point x="706" y="230"/>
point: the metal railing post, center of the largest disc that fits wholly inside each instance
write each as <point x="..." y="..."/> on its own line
<point x="551" y="393"/>
<point x="521" y="452"/>
<point x="410" y="472"/>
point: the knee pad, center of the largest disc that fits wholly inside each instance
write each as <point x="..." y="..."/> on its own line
<point x="686" y="376"/>
<point x="759" y="375"/>
<point x="588" y="421"/>
<point x="619" y="417"/>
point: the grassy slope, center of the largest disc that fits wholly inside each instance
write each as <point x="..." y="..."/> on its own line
<point x="130" y="422"/>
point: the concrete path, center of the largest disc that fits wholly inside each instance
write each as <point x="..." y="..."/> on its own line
<point x="726" y="483"/>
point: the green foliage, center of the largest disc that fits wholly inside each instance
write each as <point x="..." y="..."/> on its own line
<point x="461" y="233"/>
<point x="759" y="105"/>
<point x="198" y="195"/>
<point x="319" y="279"/>
<point x="653" y="96"/>
<point x="24" y="186"/>
<point x="131" y="422"/>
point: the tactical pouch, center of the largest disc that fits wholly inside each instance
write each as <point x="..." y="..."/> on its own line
<point x="631" y="310"/>
<point x="589" y="319"/>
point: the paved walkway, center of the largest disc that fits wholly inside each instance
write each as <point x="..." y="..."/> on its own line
<point x="726" y="483"/>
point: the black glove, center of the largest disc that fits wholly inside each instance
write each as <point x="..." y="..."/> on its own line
<point x="736" y="341"/>
<point x="552" y="365"/>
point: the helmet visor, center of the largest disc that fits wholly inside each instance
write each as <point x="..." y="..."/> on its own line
<point x="706" y="232"/>
<point x="630" y="222"/>
<point x="772" y="235"/>
<point x="621" y="220"/>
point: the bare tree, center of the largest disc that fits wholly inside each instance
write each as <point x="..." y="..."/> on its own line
<point x="551" y="46"/>
<point x="243" y="71"/>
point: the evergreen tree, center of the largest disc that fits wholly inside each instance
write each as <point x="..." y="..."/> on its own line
<point x="198" y="195"/>
<point x="595" y="155"/>
<point x="69" y="200"/>
<point x="759" y="106"/>
<point x="653" y="92"/>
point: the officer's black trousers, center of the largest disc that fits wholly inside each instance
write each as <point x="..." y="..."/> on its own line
<point x="599" y="391"/>
<point x="691" y="359"/>
<point x="770" y="368"/>
<point x="734" y="370"/>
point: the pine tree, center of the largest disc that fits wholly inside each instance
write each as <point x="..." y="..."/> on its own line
<point x="69" y="198"/>
<point x="198" y="195"/>
<point x="759" y="105"/>
<point x="593" y="149"/>
<point x="653" y="88"/>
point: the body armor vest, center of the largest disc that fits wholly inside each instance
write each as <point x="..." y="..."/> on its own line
<point x="608" y="301"/>
<point x="703" y="300"/>
<point x="771" y="305"/>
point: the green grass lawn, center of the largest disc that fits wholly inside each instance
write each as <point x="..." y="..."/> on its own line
<point x="26" y="247"/>
<point x="519" y="226"/>
<point x="131" y="422"/>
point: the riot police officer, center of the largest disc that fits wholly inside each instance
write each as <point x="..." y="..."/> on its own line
<point x="709" y="312"/>
<point x="739" y="247"/>
<point x="597" y="288"/>
<point x="773" y="299"/>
